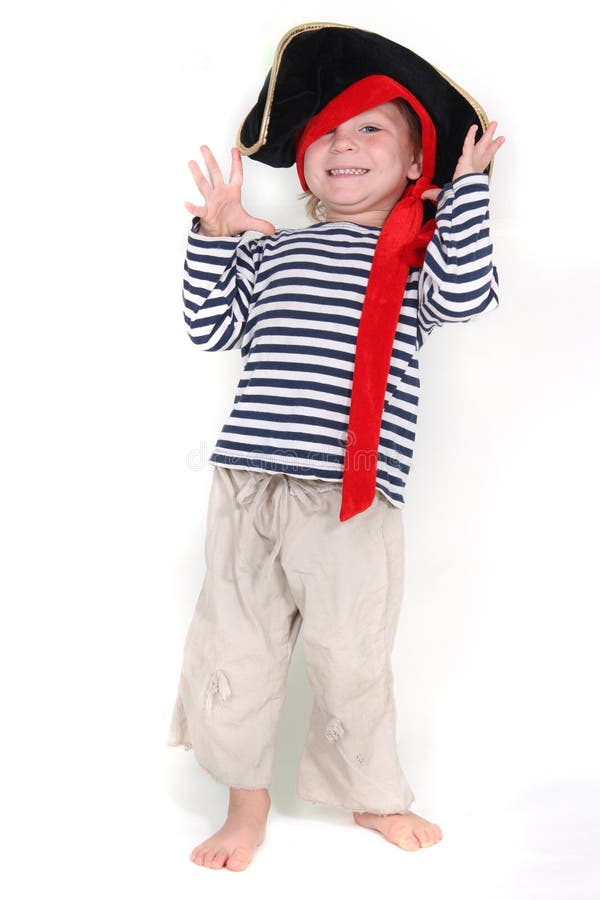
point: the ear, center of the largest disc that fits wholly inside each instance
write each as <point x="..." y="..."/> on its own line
<point x="415" y="170"/>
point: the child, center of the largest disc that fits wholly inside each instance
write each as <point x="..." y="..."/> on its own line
<point x="305" y="511"/>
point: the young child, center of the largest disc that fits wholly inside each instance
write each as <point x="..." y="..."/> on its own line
<point x="305" y="511"/>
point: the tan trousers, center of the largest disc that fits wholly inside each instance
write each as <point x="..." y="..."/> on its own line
<point x="277" y="556"/>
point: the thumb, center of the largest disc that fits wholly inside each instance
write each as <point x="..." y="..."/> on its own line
<point x="261" y="225"/>
<point x="431" y="194"/>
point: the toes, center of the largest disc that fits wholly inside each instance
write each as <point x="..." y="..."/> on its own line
<point x="197" y="854"/>
<point x="408" y="842"/>
<point x="434" y="834"/>
<point x="430" y="836"/>
<point x="219" y="859"/>
<point x="239" y="859"/>
<point x="404" y="839"/>
<point x="199" y="849"/>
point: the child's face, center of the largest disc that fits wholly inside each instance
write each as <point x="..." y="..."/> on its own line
<point x="377" y="140"/>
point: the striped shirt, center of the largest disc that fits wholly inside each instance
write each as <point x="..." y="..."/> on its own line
<point x="291" y="303"/>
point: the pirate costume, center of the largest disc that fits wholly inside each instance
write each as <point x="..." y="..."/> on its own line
<point x="302" y="529"/>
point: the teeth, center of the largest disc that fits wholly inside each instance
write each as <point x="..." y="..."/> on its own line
<point x="347" y="171"/>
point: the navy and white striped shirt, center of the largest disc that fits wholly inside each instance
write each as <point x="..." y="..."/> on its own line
<point x="291" y="303"/>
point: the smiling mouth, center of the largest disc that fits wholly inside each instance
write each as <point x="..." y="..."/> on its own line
<point x="338" y="173"/>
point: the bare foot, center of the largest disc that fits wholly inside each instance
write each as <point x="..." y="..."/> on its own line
<point x="233" y="845"/>
<point x="407" y="830"/>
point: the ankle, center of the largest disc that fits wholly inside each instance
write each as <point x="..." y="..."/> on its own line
<point x="241" y="798"/>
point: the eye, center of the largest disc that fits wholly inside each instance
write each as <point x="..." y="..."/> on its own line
<point x="373" y="127"/>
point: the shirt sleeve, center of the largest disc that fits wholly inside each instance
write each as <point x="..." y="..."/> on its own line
<point x="458" y="279"/>
<point x="218" y="286"/>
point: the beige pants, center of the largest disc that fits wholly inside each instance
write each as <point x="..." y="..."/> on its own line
<point x="277" y="556"/>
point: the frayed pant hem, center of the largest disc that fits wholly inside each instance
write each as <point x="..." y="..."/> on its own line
<point x="336" y="805"/>
<point x="219" y="778"/>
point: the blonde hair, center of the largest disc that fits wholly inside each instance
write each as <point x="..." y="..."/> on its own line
<point x="314" y="207"/>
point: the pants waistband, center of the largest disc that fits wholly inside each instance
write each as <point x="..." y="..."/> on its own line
<point x="255" y="490"/>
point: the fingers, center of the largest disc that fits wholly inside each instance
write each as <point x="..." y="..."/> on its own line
<point x="236" y="174"/>
<point x="469" y="138"/>
<point x="431" y="194"/>
<point x="486" y="137"/>
<point x="261" y="225"/>
<point x="487" y="134"/>
<point x="488" y="147"/>
<point x="216" y="178"/>
<point x="480" y="154"/>
<point x="195" y="210"/>
<point x="201" y="183"/>
<point x="489" y="131"/>
<point x="499" y="140"/>
<point x="212" y="166"/>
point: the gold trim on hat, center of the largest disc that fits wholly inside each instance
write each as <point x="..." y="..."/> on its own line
<point x="285" y="40"/>
<point x="313" y="26"/>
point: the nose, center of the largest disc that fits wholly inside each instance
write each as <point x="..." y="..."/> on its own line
<point x="342" y="140"/>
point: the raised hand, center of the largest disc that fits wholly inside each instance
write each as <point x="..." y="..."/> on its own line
<point x="475" y="157"/>
<point x="222" y="214"/>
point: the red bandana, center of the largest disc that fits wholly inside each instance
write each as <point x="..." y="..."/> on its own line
<point x="401" y="244"/>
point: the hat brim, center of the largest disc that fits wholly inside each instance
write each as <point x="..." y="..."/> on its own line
<point x="315" y="61"/>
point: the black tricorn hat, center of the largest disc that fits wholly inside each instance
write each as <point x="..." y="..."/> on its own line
<point x="314" y="62"/>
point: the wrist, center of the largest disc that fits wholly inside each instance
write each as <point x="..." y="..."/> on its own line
<point x="462" y="174"/>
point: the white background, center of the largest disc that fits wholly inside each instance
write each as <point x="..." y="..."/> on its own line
<point x="110" y="412"/>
